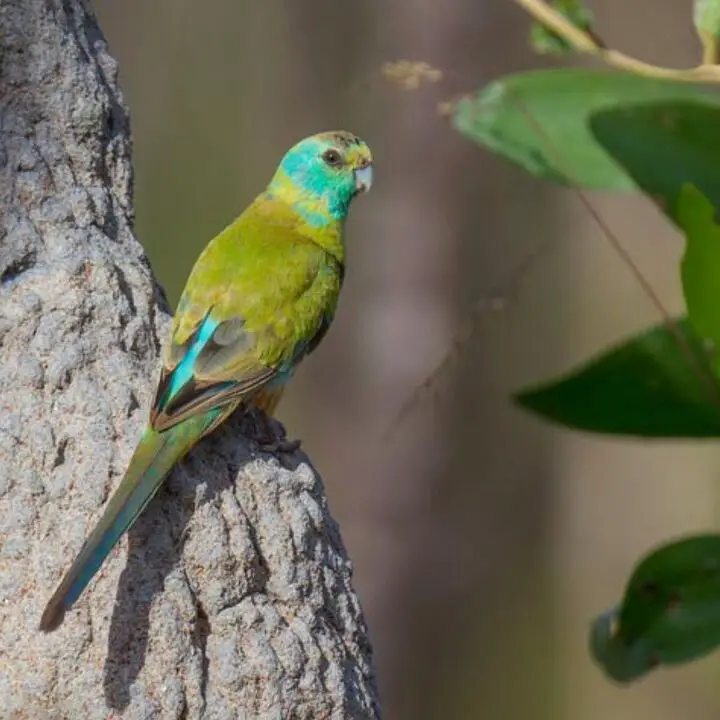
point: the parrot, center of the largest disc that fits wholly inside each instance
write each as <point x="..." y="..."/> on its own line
<point x="259" y="299"/>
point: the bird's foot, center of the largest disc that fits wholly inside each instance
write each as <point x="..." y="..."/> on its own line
<point x="280" y="446"/>
<point x="270" y="436"/>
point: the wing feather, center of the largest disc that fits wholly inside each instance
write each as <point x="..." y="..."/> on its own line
<point x="250" y="310"/>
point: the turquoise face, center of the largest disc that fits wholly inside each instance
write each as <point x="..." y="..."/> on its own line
<point x="325" y="172"/>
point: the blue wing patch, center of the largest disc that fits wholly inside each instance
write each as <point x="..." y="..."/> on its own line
<point x="185" y="369"/>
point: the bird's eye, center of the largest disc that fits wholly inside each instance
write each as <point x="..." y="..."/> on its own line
<point x="332" y="157"/>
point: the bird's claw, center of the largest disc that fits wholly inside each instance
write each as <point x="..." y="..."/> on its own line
<point x="271" y="438"/>
<point x="276" y="447"/>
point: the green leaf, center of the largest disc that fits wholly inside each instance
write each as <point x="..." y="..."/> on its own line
<point x="623" y="663"/>
<point x="707" y="17"/>
<point x="541" y="120"/>
<point x="665" y="144"/>
<point x="545" y="41"/>
<point x="670" y="613"/>
<point x="646" y="386"/>
<point x="700" y="267"/>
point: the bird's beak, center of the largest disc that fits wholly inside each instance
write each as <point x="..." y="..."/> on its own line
<point x="363" y="178"/>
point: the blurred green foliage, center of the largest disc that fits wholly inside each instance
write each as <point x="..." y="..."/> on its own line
<point x="700" y="267"/>
<point x="707" y="16"/>
<point x="620" y="131"/>
<point x="665" y="144"/>
<point x="596" y="129"/>
<point x="643" y="387"/>
<point x="670" y="612"/>
<point x="545" y="41"/>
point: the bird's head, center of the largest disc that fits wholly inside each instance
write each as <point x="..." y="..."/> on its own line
<point x="321" y="175"/>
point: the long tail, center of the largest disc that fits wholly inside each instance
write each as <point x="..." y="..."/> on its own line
<point x="153" y="459"/>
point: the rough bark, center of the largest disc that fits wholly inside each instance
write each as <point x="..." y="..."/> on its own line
<point x="233" y="598"/>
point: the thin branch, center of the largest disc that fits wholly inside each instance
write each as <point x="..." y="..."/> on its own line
<point x="711" y="48"/>
<point x="584" y="42"/>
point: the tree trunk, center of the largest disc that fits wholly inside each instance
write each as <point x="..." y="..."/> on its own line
<point x="235" y="598"/>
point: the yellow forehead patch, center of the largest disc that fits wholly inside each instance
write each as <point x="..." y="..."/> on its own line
<point x="358" y="155"/>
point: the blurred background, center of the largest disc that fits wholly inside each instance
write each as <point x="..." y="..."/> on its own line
<point x="483" y="540"/>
